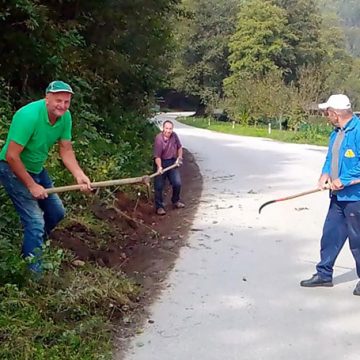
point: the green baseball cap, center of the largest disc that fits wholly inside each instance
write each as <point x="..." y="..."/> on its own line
<point x="59" y="86"/>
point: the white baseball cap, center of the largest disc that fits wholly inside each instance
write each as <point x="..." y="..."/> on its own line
<point x="337" y="102"/>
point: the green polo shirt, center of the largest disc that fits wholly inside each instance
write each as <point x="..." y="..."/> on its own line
<point x="31" y="128"/>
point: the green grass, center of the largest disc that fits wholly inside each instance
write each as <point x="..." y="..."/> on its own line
<point x="311" y="136"/>
<point x="67" y="314"/>
<point x="65" y="317"/>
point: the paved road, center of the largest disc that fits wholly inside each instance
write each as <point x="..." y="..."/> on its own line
<point x="234" y="292"/>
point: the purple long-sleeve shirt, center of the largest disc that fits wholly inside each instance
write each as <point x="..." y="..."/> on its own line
<point x="166" y="148"/>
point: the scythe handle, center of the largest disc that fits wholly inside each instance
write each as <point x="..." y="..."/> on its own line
<point x="298" y="195"/>
<point x="95" y="185"/>
<point x="290" y="197"/>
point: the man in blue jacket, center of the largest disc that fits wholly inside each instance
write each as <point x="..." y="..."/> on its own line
<point x="340" y="174"/>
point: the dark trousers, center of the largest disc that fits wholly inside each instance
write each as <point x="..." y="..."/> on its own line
<point x="342" y="222"/>
<point x="159" y="183"/>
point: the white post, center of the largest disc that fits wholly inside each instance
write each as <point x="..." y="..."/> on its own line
<point x="269" y="129"/>
<point x="233" y="124"/>
<point x="209" y="121"/>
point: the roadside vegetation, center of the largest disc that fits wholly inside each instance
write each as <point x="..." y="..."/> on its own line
<point x="307" y="134"/>
<point x="109" y="52"/>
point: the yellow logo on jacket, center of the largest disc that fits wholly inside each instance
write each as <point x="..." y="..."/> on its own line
<point x="349" y="154"/>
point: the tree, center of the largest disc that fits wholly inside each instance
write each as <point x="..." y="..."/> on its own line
<point x="348" y="12"/>
<point x="351" y="85"/>
<point x="201" y="61"/>
<point x="290" y="38"/>
<point x="118" y="47"/>
<point x="258" y="45"/>
<point x="303" y="36"/>
<point x="264" y="97"/>
<point x="337" y="62"/>
<point x="276" y="34"/>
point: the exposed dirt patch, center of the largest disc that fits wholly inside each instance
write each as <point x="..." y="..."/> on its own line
<point x="136" y="240"/>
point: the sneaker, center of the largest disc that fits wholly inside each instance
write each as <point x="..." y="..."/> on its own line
<point x="178" y="205"/>
<point x="161" y="211"/>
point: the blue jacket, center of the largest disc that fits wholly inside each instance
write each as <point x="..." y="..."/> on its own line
<point x="349" y="160"/>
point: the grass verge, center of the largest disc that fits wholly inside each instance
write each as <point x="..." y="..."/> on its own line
<point x="310" y="136"/>
<point x="67" y="316"/>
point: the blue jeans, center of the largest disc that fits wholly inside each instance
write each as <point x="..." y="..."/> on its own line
<point x="159" y="183"/>
<point x="342" y="222"/>
<point x="38" y="217"/>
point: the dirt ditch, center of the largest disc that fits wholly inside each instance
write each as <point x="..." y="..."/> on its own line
<point x="137" y="241"/>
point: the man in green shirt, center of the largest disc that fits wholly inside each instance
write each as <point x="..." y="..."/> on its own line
<point x="34" y="129"/>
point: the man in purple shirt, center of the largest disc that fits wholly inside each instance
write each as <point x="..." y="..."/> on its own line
<point x="167" y="150"/>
